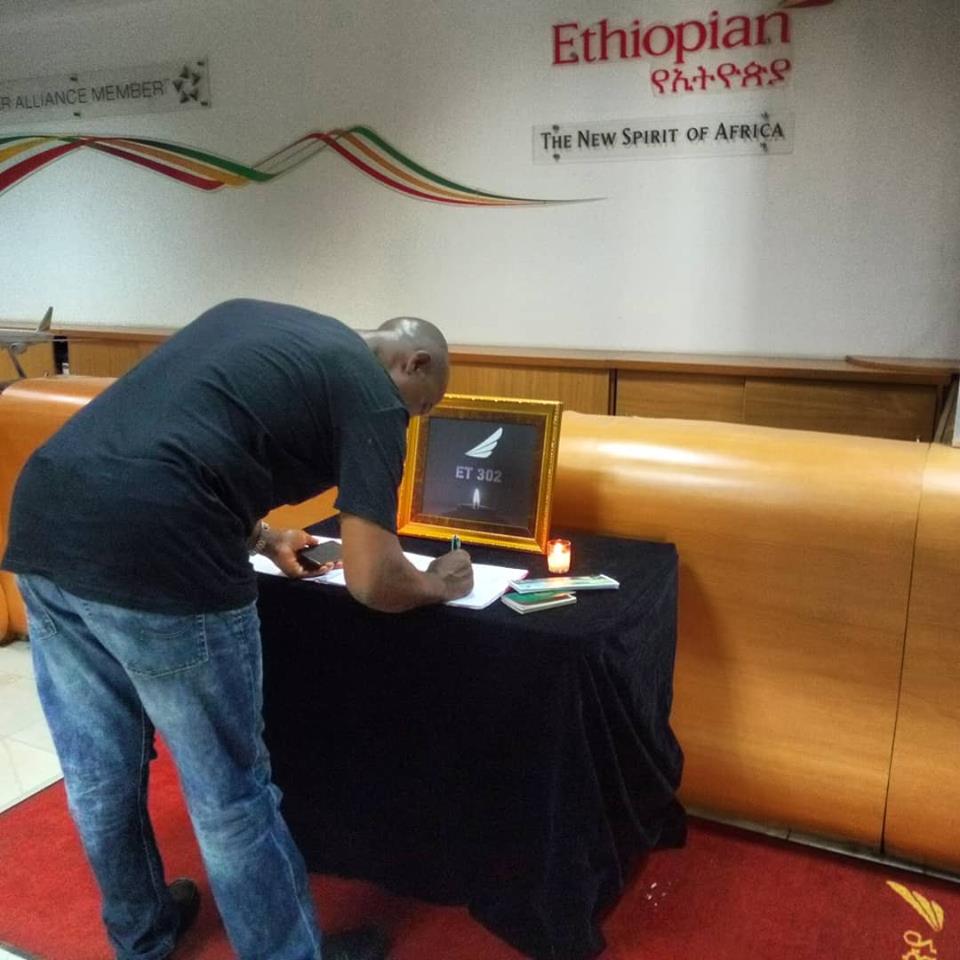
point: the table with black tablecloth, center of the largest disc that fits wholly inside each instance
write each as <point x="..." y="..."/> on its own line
<point x="517" y="764"/>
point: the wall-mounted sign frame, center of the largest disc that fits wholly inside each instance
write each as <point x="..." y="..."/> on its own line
<point x="140" y="89"/>
<point x="482" y="468"/>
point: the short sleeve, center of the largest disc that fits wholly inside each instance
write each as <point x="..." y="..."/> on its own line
<point x="372" y="451"/>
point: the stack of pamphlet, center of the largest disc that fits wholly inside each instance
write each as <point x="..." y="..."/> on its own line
<point x="548" y="592"/>
<point x="542" y="600"/>
<point x="599" y="581"/>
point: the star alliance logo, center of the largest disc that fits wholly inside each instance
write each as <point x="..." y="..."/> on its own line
<point x="189" y="81"/>
<point x="483" y="449"/>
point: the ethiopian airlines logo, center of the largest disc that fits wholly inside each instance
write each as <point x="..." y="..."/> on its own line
<point x="921" y="947"/>
<point x="606" y="40"/>
<point x="483" y="450"/>
<point x="603" y="41"/>
<point x="930" y="910"/>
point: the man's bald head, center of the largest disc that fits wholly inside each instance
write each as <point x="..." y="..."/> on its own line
<point x="414" y="352"/>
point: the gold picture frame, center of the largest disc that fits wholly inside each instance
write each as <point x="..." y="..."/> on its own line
<point x="482" y="468"/>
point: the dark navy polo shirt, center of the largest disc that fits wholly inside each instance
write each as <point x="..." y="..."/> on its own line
<point x="147" y="496"/>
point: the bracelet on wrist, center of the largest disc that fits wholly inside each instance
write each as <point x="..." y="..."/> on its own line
<point x="261" y="542"/>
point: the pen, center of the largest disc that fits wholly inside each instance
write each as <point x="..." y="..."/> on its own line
<point x="454" y="542"/>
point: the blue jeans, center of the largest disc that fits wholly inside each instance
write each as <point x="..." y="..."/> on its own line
<point x="108" y="677"/>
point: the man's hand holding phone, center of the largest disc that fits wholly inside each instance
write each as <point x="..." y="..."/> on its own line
<point x="321" y="558"/>
<point x="298" y="554"/>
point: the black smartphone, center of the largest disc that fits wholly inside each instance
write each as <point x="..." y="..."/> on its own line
<point x="319" y="554"/>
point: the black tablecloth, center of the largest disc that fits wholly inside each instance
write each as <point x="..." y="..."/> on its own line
<point x="516" y="764"/>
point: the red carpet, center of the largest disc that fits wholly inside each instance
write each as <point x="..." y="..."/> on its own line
<point x="728" y="895"/>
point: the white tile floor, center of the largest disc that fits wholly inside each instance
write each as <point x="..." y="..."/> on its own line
<point x="28" y="762"/>
<point x="7" y="955"/>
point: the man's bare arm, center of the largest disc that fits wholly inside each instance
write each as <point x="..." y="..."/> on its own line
<point x="379" y="576"/>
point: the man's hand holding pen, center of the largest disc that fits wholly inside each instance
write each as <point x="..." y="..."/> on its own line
<point x="455" y="570"/>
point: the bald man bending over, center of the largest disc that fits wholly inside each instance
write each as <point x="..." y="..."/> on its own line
<point x="130" y="532"/>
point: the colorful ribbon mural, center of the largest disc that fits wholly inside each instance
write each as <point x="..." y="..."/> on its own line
<point x="360" y="146"/>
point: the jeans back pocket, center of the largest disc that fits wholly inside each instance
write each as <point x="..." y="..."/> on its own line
<point x="149" y="644"/>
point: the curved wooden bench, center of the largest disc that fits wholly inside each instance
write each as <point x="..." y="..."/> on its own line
<point x="801" y="556"/>
<point x="796" y="552"/>
<point x="923" y="807"/>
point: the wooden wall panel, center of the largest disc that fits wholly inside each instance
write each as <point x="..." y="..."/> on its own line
<point x="583" y="390"/>
<point x="107" y="358"/>
<point x="893" y="410"/>
<point x="896" y="399"/>
<point x="37" y="361"/>
<point x="923" y="806"/>
<point x="682" y="395"/>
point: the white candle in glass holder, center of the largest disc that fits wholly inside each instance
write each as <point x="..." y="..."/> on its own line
<point x="558" y="556"/>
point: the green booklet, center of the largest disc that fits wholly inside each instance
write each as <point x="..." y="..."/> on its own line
<point x="544" y="600"/>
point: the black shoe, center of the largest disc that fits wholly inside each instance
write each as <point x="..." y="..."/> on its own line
<point x="363" y="943"/>
<point x="186" y="898"/>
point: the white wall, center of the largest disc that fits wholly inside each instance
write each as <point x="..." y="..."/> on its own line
<point x="851" y="244"/>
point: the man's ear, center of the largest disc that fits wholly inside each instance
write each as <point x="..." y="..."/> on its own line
<point x="418" y="362"/>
